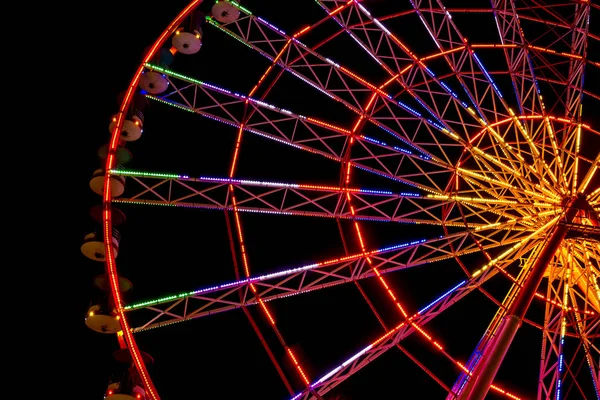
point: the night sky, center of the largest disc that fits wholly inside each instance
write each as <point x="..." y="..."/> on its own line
<point x="171" y="250"/>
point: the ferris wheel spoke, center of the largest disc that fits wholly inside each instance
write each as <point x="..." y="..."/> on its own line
<point x="510" y="145"/>
<point x="416" y="81"/>
<point x="304" y="63"/>
<point x="592" y="170"/>
<point x="330" y="78"/>
<point x="555" y="31"/>
<point x="527" y="252"/>
<point x="527" y="139"/>
<point x="585" y="273"/>
<point x="268" y="120"/>
<point x="286" y="282"/>
<point x="404" y="329"/>
<point x="495" y="167"/>
<point x="552" y="364"/>
<point x="439" y="144"/>
<point x="474" y="187"/>
<point x="316" y="276"/>
<point x="568" y="68"/>
<point x="586" y="328"/>
<point x="568" y="282"/>
<point x="319" y="72"/>
<point x="502" y="186"/>
<point x="589" y="254"/>
<point x="518" y="58"/>
<point x="299" y="131"/>
<point x="368" y="44"/>
<point x="560" y="23"/>
<point x="270" y="197"/>
<point x="477" y="211"/>
<point x="483" y="93"/>
<point x="570" y="165"/>
<point x="580" y="27"/>
<point x="307" y="200"/>
<point x="447" y="37"/>
<point x="401" y="163"/>
<point x="495" y="161"/>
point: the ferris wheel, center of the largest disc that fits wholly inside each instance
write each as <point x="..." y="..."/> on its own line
<point x="386" y="197"/>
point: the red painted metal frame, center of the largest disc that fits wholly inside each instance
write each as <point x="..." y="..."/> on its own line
<point x="111" y="267"/>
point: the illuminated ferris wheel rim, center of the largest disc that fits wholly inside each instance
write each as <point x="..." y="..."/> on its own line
<point x="113" y="144"/>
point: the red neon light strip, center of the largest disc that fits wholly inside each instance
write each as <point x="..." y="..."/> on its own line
<point x="238" y="225"/>
<point x="110" y="266"/>
<point x="357" y="227"/>
<point x="262" y="304"/>
<point x="325" y="124"/>
<point x="262" y="78"/>
<point x="363" y="248"/>
<point x="340" y="8"/>
<point x="359" y="233"/>
<point x="460" y="365"/>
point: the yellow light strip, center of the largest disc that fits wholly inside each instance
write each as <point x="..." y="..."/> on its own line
<point x="554" y="147"/>
<point x="595" y="192"/>
<point x="512" y="221"/>
<point x="523" y="211"/>
<point x="502" y="184"/>
<point x="496" y="161"/>
<point x="471" y="199"/>
<point x="515" y="247"/>
<point x="589" y="176"/>
<point x="536" y="152"/>
<point x="577" y="148"/>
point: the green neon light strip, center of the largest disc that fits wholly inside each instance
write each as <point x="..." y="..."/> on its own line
<point x="218" y="26"/>
<point x="171" y="104"/>
<point x="128" y="172"/>
<point x="173" y="73"/>
<point x="238" y="6"/>
<point x="156" y="301"/>
<point x="119" y="201"/>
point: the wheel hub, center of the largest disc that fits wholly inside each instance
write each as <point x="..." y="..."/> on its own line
<point x="586" y="224"/>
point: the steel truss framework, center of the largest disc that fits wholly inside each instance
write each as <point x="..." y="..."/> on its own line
<point x="487" y="154"/>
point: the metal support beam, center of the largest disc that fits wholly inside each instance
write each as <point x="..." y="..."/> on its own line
<point x="485" y="372"/>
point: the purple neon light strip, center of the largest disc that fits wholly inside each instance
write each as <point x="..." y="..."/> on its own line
<point x="429" y="71"/>
<point x="280" y="63"/>
<point x="251" y="182"/>
<point x="440" y="125"/>
<point x="369" y="347"/>
<point x="286" y="272"/>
